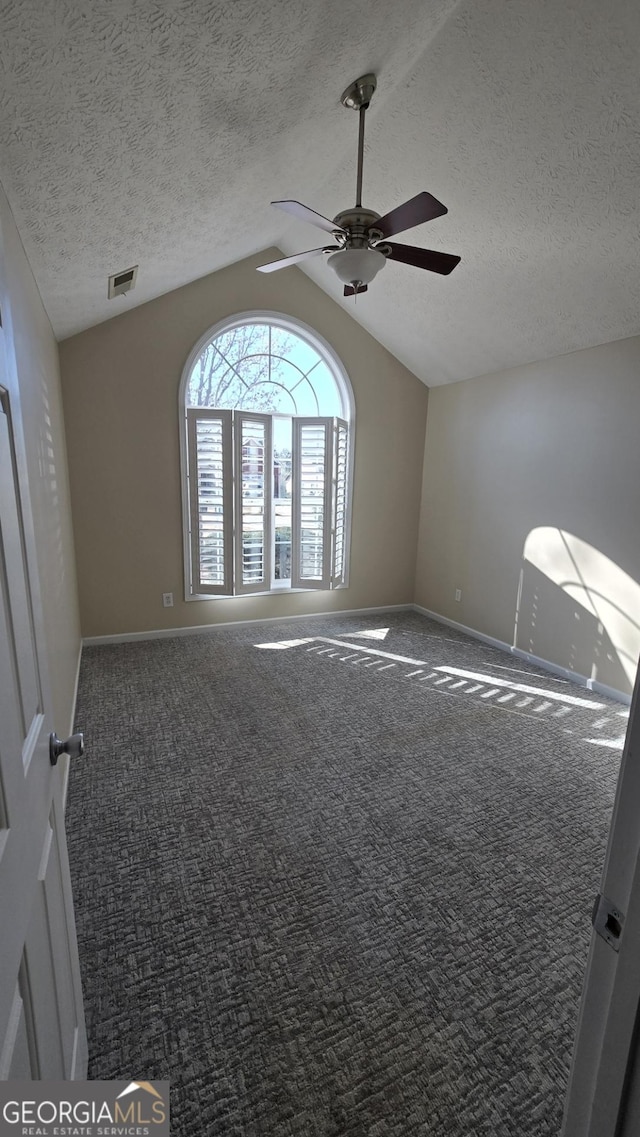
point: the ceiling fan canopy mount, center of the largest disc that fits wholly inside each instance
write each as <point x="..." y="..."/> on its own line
<point x="358" y="94"/>
<point x="359" y="254"/>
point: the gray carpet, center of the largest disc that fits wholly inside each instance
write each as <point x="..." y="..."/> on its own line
<point x="328" y="892"/>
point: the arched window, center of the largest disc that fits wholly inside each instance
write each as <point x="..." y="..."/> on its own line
<point x="267" y="414"/>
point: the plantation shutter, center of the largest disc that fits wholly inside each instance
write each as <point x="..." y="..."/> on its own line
<point x="340" y="470"/>
<point x="230" y="489"/>
<point x="253" y="501"/>
<point x="311" y="502"/>
<point x="210" y="473"/>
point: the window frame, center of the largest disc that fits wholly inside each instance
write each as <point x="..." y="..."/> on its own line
<point x="327" y="353"/>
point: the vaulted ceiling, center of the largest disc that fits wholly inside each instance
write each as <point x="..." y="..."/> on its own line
<point x="156" y="133"/>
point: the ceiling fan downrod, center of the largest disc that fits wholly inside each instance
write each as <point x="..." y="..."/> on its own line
<point x="358" y="95"/>
<point x="363" y="111"/>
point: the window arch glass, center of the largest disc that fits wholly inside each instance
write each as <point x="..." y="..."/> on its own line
<point x="265" y="366"/>
<point x="267" y="412"/>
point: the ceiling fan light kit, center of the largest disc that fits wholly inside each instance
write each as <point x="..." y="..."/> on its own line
<point x="361" y="249"/>
<point x="359" y="266"/>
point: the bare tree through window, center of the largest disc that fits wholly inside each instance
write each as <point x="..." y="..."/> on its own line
<point x="236" y="371"/>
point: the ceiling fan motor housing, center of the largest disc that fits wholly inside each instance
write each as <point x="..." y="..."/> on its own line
<point x="359" y="224"/>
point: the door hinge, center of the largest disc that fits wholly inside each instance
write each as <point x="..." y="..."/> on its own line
<point x="608" y="921"/>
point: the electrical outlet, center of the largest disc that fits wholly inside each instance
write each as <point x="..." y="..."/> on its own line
<point x="167" y="599"/>
<point x="458" y="594"/>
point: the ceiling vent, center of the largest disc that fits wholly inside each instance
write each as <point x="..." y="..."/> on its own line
<point x="122" y="282"/>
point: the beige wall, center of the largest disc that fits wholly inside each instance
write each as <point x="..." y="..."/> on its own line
<point x="544" y="456"/>
<point x="120" y="385"/>
<point x="38" y="391"/>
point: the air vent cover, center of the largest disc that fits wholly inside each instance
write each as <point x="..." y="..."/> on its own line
<point x="122" y="282"/>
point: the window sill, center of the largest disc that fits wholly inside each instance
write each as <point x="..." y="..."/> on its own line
<point x="267" y="592"/>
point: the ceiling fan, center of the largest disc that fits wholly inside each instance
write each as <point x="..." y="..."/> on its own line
<point x="362" y="248"/>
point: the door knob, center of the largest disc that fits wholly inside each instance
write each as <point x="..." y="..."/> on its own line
<point x="74" y="747"/>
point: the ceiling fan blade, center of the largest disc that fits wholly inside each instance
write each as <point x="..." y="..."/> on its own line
<point x="444" y="263"/>
<point x="304" y="213"/>
<point x="349" y="291"/>
<point x="273" y="266"/>
<point x="423" y="207"/>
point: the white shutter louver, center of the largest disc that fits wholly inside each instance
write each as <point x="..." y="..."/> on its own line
<point x="341" y="434"/>
<point x="253" y="497"/>
<point x="312" y="502"/>
<point x="210" y="500"/>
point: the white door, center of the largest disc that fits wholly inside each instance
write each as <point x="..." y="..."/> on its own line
<point x="42" y="1033"/>
<point x="602" y="1099"/>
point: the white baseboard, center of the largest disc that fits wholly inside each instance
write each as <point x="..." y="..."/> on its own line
<point x="200" y="629"/>
<point x="544" y="664"/>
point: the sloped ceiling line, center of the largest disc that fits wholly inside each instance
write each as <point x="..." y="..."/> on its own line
<point x="136" y="133"/>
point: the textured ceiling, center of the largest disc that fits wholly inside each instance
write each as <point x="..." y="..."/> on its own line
<point x="157" y="133"/>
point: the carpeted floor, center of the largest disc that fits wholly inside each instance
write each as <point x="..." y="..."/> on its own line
<point x="328" y="891"/>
